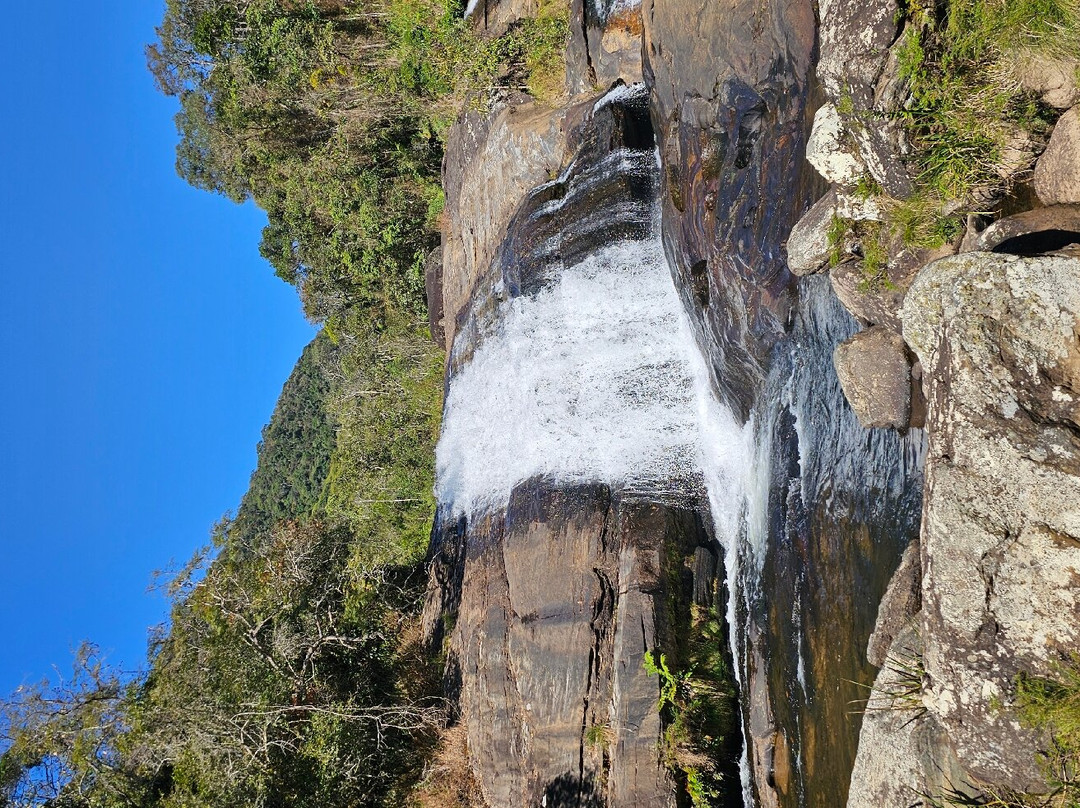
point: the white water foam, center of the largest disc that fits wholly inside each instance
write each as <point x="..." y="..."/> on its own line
<point x="599" y="378"/>
<point x="595" y="379"/>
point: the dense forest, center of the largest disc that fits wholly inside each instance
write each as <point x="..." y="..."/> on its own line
<point x="291" y="672"/>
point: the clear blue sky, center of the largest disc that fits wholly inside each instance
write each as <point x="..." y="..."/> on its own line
<point x="144" y="339"/>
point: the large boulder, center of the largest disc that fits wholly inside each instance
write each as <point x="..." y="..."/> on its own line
<point x="875" y="372"/>
<point x="728" y="101"/>
<point x="997" y="339"/>
<point x="1057" y="173"/>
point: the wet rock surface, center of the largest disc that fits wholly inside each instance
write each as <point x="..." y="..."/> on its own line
<point x="902" y="601"/>
<point x="729" y="96"/>
<point x="547" y="606"/>
<point x="560" y="598"/>
<point x="491" y="161"/>
<point x="997" y="339"/>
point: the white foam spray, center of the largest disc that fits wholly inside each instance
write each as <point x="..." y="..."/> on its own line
<point x="596" y="378"/>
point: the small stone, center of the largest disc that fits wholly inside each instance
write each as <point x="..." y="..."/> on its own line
<point x="875" y="373"/>
<point x="1057" y="173"/>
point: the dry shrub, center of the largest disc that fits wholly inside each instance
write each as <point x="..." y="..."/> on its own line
<point x="449" y="781"/>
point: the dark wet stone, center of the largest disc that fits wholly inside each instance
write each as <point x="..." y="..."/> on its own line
<point x="1032" y="232"/>
<point x="729" y="109"/>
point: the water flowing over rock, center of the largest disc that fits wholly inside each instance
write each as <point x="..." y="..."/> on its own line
<point x="579" y="439"/>
<point x="729" y="101"/>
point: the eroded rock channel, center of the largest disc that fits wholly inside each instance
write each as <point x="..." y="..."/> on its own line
<point x="645" y="434"/>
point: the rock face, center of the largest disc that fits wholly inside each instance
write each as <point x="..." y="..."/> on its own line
<point x="859" y="72"/>
<point x="1057" y="173"/>
<point x="559" y="600"/>
<point x="997" y="336"/>
<point x="491" y="161"/>
<point x="875" y="372"/>
<point x="808" y="247"/>
<point x="605" y="44"/>
<point x="547" y="606"/>
<point x="902" y="601"/>
<point x="729" y="107"/>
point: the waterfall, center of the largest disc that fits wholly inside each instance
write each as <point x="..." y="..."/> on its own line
<point x="578" y="363"/>
<point x="594" y="378"/>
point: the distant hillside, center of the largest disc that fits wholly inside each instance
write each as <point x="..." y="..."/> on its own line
<point x="297" y="444"/>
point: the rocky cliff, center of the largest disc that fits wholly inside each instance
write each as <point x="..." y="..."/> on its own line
<point x="548" y="604"/>
<point x="689" y="124"/>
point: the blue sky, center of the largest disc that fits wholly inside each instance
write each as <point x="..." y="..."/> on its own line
<point x="144" y="340"/>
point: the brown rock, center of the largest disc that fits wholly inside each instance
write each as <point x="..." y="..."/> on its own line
<point x="901" y="603"/>
<point x="729" y="83"/>
<point x="875" y="372"/>
<point x="557" y="601"/>
<point x="490" y="163"/>
<point x="877" y="301"/>
<point x="1057" y="172"/>
<point x="1054" y="79"/>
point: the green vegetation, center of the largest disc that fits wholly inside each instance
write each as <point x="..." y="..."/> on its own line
<point x="330" y="115"/>
<point x="382" y="473"/>
<point x="966" y="110"/>
<point x="296" y="446"/>
<point x="971" y="125"/>
<point x="1054" y="705"/>
<point x="600" y="735"/>
<point x="697" y="703"/>
<point x="292" y="671"/>
<point x="869" y="236"/>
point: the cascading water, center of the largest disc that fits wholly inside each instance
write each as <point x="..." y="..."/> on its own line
<point x="586" y="369"/>
<point x="596" y="378"/>
<point x="578" y="364"/>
